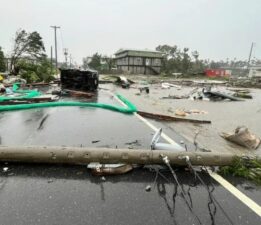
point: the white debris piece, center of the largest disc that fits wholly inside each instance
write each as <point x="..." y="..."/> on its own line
<point x="165" y="85"/>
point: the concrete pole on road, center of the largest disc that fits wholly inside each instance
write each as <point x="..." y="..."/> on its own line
<point x="76" y="155"/>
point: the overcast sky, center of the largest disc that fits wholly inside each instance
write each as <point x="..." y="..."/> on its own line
<point x="218" y="29"/>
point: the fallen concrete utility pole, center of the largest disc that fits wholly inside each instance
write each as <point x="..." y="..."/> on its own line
<point x="76" y="155"/>
<point x="170" y="118"/>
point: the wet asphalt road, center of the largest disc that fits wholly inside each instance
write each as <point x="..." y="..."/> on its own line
<point x="51" y="194"/>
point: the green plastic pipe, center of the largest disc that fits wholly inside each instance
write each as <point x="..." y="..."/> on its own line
<point x="129" y="109"/>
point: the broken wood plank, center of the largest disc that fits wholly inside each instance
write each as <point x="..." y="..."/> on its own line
<point x="27" y="101"/>
<point x="36" y="84"/>
<point x="79" y="93"/>
<point x="170" y="118"/>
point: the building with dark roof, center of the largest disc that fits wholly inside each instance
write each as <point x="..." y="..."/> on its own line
<point x="138" y="61"/>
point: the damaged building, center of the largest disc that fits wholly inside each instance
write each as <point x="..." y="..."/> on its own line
<point x="138" y="61"/>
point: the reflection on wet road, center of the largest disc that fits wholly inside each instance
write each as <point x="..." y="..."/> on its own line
<point x="50" y="194"/>
<point x="44" y="194"/>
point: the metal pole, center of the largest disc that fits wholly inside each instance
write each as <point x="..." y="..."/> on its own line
<point x="55" y="42"/>
<point x="76" y="155"/>
<point x="250" y="54"/>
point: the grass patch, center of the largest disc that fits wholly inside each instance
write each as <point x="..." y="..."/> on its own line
<point x="244" y="167"/>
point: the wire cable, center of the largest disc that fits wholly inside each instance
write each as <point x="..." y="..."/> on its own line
<point x="206" y="187"/>
<point x="167" y="162"/>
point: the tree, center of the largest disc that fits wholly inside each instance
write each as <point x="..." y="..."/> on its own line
<point x="110" y="62"/>
<point x="85" y="63"/>
<point x="195" y="54"/>
<point x="26" y="44"/>
<point x="186" y="61"/>
<point x="168" y="51"/>
<point x="169" y="54"/>
<point x="95" y="63"/>
<point x="34" y="72"/>
<point x="174" y="60"/>
<point x="2" y="61"/>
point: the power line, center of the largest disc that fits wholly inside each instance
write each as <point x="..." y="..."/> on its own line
<point x="62" y="41"/>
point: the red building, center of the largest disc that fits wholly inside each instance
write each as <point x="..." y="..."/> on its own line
<point x="217" y="72"/>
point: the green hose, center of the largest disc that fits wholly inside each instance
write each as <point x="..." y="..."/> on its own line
<point x="129" y="109"/>
<point x="33" y="93"/>
<point x="26" y="94"/>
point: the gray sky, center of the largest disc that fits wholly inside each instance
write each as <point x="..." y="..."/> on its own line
<point x="218" y="29"/>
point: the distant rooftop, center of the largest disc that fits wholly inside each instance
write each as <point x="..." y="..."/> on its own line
<point x="138" y="53"/>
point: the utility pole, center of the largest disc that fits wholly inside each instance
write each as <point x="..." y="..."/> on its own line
<point x="65" y="52"/>
<point x="55" y="42"/>
<point x="250" y="54"/>
<point x="70" y="61"/>
<point x="51" y="59"/>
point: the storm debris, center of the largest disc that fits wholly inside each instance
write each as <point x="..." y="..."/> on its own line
<point x="208" y="94"/>
<point x="243" y="137"/>
<point x="82" y="94"/>
<point x="196" y="111"/>
<point x="42" y="122"/>
<point x="170" y="118"/>
<point x="180" y="112"/>
<point x="247" y="167"/>
<point x="123" y="81"/>
<point x="156" y="145"/>
<point x="136" y="142"/>
<point x="169" y="85"/>
<point x="148" y="188"/>
<point x="175" y="97"/>
<point x="146" y="89"/>
<point x="242" y="95"/>
<point x="98" y="169"/>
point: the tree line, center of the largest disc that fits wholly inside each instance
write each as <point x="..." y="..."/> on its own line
<point x="29" y="60"/>
<point x="175" y="60"/>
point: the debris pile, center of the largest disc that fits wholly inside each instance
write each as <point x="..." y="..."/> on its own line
<point x="17" y="96"/>
<point x="208" y="94"/>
